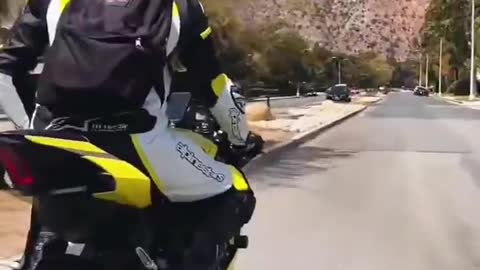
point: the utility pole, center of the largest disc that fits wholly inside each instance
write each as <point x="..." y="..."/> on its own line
<point x="473" y="80"/>
<point x="338" y="61"/>
<point x="420" y="71"/>
<point x="339" y="71"/>
<point x="426" y="74"/>
<point x="440" y="68"/>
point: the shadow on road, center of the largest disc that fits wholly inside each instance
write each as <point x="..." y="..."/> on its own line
<point x="284" y="169"/>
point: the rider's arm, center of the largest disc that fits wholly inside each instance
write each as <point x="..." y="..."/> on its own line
<point x="207" y="82"/>
<point x="28" y="40"/>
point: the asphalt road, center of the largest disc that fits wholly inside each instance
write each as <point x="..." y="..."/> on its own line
<point x="397" y="187"/>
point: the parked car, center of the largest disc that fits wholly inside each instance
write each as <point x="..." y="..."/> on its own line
<point x="310" y="94"/>
<point x="385" y="90"/>
<point x="421" y="91"/>
<point x="339" y="92"/>
<point x="355" y="92"/>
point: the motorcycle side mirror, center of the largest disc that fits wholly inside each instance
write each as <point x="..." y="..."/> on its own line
<point x="236" y="87"/>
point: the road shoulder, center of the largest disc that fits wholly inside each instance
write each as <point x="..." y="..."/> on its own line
<point x="460" y="101"/>
<point x="291" y="129"/>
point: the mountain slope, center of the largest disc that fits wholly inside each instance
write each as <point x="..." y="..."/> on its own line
<point x="388" y="27"/>
<point x="350" y="26"/>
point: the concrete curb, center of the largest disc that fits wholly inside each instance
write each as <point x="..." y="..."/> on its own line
<point x="459" y="103"/>
<point x="451" y="101"/>
<point x="299" y="139"/>
<point x="305" y="136"/>
<point x="276" y="149"/>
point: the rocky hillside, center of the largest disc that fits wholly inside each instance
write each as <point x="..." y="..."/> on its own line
<point x="349" y="26"/>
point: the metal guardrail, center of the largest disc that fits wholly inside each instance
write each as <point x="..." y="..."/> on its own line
<point x="283" y="97"/>
<point x="287" y="101"/>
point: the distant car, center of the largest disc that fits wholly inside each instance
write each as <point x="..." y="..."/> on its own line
<point x="384" y="89"/>
<point x="310" y="94"/>
<point x="339" y="92"/>
<point x="355" y="91"/>
<point x="421" y="91"/>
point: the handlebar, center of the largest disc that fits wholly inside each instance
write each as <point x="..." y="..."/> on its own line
<point x="239" y="156"/>
<point x="199" y="119"/>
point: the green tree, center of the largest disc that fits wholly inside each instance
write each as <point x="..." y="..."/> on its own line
<point x="450" y="20"/>
<point x="270" y="53"/>
<point x="405" y="74"/>
<point x="381" y="70"/>
<point x="373" y="69"/>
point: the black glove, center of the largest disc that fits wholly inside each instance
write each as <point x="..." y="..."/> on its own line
<point x="253" y="147"/>
<point x="256" y="143"/>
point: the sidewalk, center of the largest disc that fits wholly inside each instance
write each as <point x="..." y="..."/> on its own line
<point x="285" y="124"/>
<point x="462" y="101"/>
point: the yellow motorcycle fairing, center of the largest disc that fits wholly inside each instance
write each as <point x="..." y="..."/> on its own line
<point x="132" y="187"/>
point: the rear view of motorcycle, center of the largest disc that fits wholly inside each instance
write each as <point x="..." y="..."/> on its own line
<point x="104" y="206"/>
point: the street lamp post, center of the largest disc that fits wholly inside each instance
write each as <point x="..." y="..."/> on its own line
<point x="305" y="52"/>
<point x="473" y="81"/>
<point x="339" y="62"/>
<point x="440" y="68"/>
<point x="420" y="71"/>
<point x="426" y="73"/>
<point x="339" y="71"/>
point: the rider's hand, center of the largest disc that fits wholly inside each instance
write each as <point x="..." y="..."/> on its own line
<point x="250" y="150"/>
<point x="254" y="144"/>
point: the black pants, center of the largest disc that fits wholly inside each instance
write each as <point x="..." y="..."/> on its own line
<point x="192" y="231"/>
<point x="188" y="233"/>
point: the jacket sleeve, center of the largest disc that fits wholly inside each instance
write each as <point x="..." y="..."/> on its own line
<point x="27" y="41"/>
<point x="205" y="79"/>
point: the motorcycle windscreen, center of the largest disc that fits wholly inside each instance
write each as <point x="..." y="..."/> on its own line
<point x="10" y="102"/>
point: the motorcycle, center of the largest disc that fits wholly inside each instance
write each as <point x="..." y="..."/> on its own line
<point x="106" y="204"/>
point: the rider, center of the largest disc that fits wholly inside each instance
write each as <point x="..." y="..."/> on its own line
<point x="178" y="167"/>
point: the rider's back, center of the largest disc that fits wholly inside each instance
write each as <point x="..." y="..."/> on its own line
<point x="105" y="56"/>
